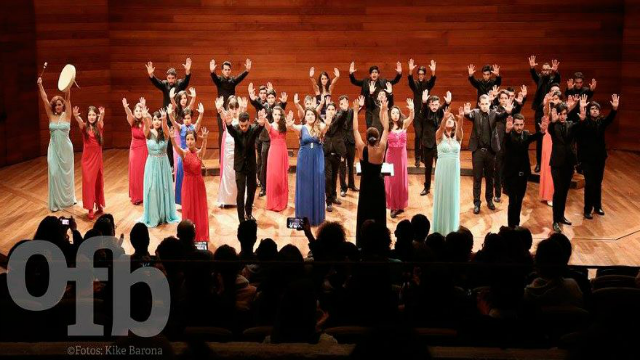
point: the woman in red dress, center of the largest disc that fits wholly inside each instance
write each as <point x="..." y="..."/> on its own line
<point x="397" y="186"/>
<point x="92" y="171"/>
<point x="277" y="162"/>
<point x="194" y="193"/>
<point x="137" y="151"/>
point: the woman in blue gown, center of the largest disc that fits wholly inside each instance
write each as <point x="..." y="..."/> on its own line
<point x="184" y="127"/>
<point x="446" y="197"/>
<point x="62" y="192"/>
<point x="310" y="189"/>
<point x="158" y="197"/>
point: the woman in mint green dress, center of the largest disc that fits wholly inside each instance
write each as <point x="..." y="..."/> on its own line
<point x="62" y="192"/>
<point x="446" y="198"/>
<point x="158" y="196"/>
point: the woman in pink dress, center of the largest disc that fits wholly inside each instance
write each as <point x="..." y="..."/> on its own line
<point x="194" y="193"/>
<point x="397" y="186"/>
<point x="137" y="151"/>
<point x="92" y="169"/>
<point x="277" y="162"/>
<point x="546" y="181"/>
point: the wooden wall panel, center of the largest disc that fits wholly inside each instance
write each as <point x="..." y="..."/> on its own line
<point x="19" y="128"/>
<point x="628" y="125"/>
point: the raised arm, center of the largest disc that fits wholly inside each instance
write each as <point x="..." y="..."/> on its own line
<point x="474" y="82"/>
<point x="146" y="121"/>
<point x="176" y="131"/>
<point x="76" y="115"/>
<point x="384" y="119"/>
<point x="127" y="110"/>
<point x="212" y="69"/>
<point x="291" y="123"/>
<point x="443" y="124"/>
<point x="532" y="69"/>
<point x="325" y="126"/>
<point x="352" y="77"/>
<point x="409" y="119"/>
<point x="101" y="117"/>
<point x="459" y="132"/>
<point x="398" y="76"/>
<point x="203" y="148"/>
<point x="468" y="114"/>
<point x="356" y="133"/>
<point x="45" y="100"/>
<point x="247" y="68"/>
<point x="172" y="116"/>
<point x="314" y="85"/>
<point x="165" y="126"/>
<point x="192" y="94"/>
<point x="296" y="101"/>
<point x="67" y="104"/>
<point x="200" y="116"/>
<point x="336" y="76"/>
<point x="615" y="101"/>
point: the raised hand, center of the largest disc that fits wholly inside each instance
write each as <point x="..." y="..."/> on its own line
<point x="143" y="101"/>
<point x="410" y="104"/>
<point x="447" y="97"/>
<point x="523" y="91"/>
<point x="311" y="72"/>
<point x="570" y="101"/>
<point x="150" y="68"/>
<point x="583" y="114"/>
<point x="269" y="86"/>
<point x="336" y="72"/>
<point x="289" y="118"/>
<point x="425" y="96"/>
<point x="172" y="93"/>
<point x="592" y="85"/>
<point x="242" y="103"/>
<point x="219" y="103"/>
<point x="192" y="92"/>
<point x="583" y="100"/>
<point x="296" y="99"/>
<point x="389" y="88"/>
<point x="554" y="65"/>
<point x="125" y="103"/>
<point x="205" y="133"/>
<point x="200" y="108"/>
<point x="509" y="124"/>
<point x="467" y="108"/>
<point x="247" y="64"/>
<point x="163" y="113"/>
<point x="187" y="66"/>
<point x="412" y="66"/>
<point x="355" y="105"/>
<point x="283" y="97"/>
<point x="372" y="87"/>
<point x="544" y="125"/>
<point x="532" y="61"/>
<point x="509" y="106"/>
<point x="399" y="67"/>
<point x="101" y="111"/>
<point x="432" y="67"/>
<point x="615" y="101"/>
<point x="496" y="70"/>
<point x="472" y="69"/>
<point x="547" y="98"/>
<point x="170" y="108"/>
<point x="352" y="67"/>
<point x="252" y="91"/>
<point x="494" y="91"/>
<point x="76" y="111"/>
<point x="384" y="104"/>
<point x="212" y="65"/>
<point x="39" y="81"/>
<point x="570" y="84"/>
<point x="361" y="101"/>
<point x="520" y="98"/>
<point x="554" y="115"/>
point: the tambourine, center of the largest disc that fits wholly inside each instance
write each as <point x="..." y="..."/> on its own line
<point x="67" y="78"/>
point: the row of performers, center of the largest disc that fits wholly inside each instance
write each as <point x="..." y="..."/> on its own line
<point x="378" y="91"/>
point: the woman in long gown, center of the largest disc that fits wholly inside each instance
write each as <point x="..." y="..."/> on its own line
<point x="277" y="162"/>
<point x="546" y="181"/>
<point x="194" y="193"/>
<point x="137" y="151"/>
<point x="180" y="102"/>
<point x="183" y="128"/>
<point x="92" y="169"/>
<point x="227" y="190"/>
<point x="62" y="193"/>
<point x="446" y="197"/>
<point x="372" y="201"/>
<point x="397" y="186"/>
<point x="310" y="189"/>
<point x="159" y="201"/>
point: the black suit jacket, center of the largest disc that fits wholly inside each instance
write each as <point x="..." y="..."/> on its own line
<point x="244" y="157"/>
<point x="372" y="110"/>
<point x="430" y="124"/>
<point x="418" y="87"/>
<point x="590" y="138"/>
<point x="543" y="84"/>
<point x="516" y="155"/>
<point x="227" y="86"/>
<point x="494" y="118"/>
<point x="334" y="136"/>
<point x="562" y="150"/>
<point x="163" y="85"/>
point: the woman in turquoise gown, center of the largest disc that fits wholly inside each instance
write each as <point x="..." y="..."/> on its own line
<point x="62" y="192"/>
<point x="158" y="197"/>
<point x="446" y="197"/>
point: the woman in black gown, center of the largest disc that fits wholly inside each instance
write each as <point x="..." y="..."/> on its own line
<point x="372" y="201"/>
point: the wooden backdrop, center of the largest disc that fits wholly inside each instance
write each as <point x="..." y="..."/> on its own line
<point x="109" y="42"/>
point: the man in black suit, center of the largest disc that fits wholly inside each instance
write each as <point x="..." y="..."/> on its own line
<point x="244" y="159"/>
<point x="370" y="87"/>
<point x="562" y="160"/>
<point x="517" y="167"/>
<point x="334" y="148"/>
<point x="346" y="163"/>
<point x="484" y="85"/>
<point x="544" y="80"/>
<point x="226" y="86"/>
<point x="484" y="144"/>
<point x="590" y="134"/>
<point x="418" y="87"/>
<point x="172" y="82"/>
<point x="432" y="114"/>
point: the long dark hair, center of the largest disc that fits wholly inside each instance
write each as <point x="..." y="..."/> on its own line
<point x="93" y="127"/>
<point x="400" y="119"/>
<point x="282" y="123"/>
<point x="160" y="137"/>
<point x="179" y="108"/>
<point x="320" y="86"/>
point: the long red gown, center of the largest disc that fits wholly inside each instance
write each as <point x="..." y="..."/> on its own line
<point x="397" y="186"/>
<point x="92" y="172"/>
<point x="277" y="170"/>
<point x="137" y="159"/>
<point x="194" y="196"/>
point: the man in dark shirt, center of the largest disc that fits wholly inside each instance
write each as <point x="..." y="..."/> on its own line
<point x="244" y="160"/>
<point x="172" y="82"/>
<point x="226" y="86"/>
<point x="562" y="160"/>
<point x="517" y="167"/>
<point x="484" y="144"/>
<point x="334" y="149"/>
<point x="418" y="87"/>
<point x="346" y="163"/>
<point x="432" y="115"/>
<point x="590" y="134"/>
<point x="575" y="86"/>
<point x="370" y="87"/>
<point x="486" y="83"/>
<point x="544" y="80"/>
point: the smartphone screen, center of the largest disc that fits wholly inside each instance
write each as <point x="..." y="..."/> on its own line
<point x="294" y="223"/>
<point x="64" y="221"/>
<point x="202" y="245"/>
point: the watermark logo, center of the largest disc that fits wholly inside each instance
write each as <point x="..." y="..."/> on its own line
<point x="84" y="274"/>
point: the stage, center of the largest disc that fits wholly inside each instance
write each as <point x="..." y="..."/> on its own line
<point x="613" y="239"/>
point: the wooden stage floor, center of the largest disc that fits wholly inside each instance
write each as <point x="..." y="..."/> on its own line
<point x="610" y="240"/>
